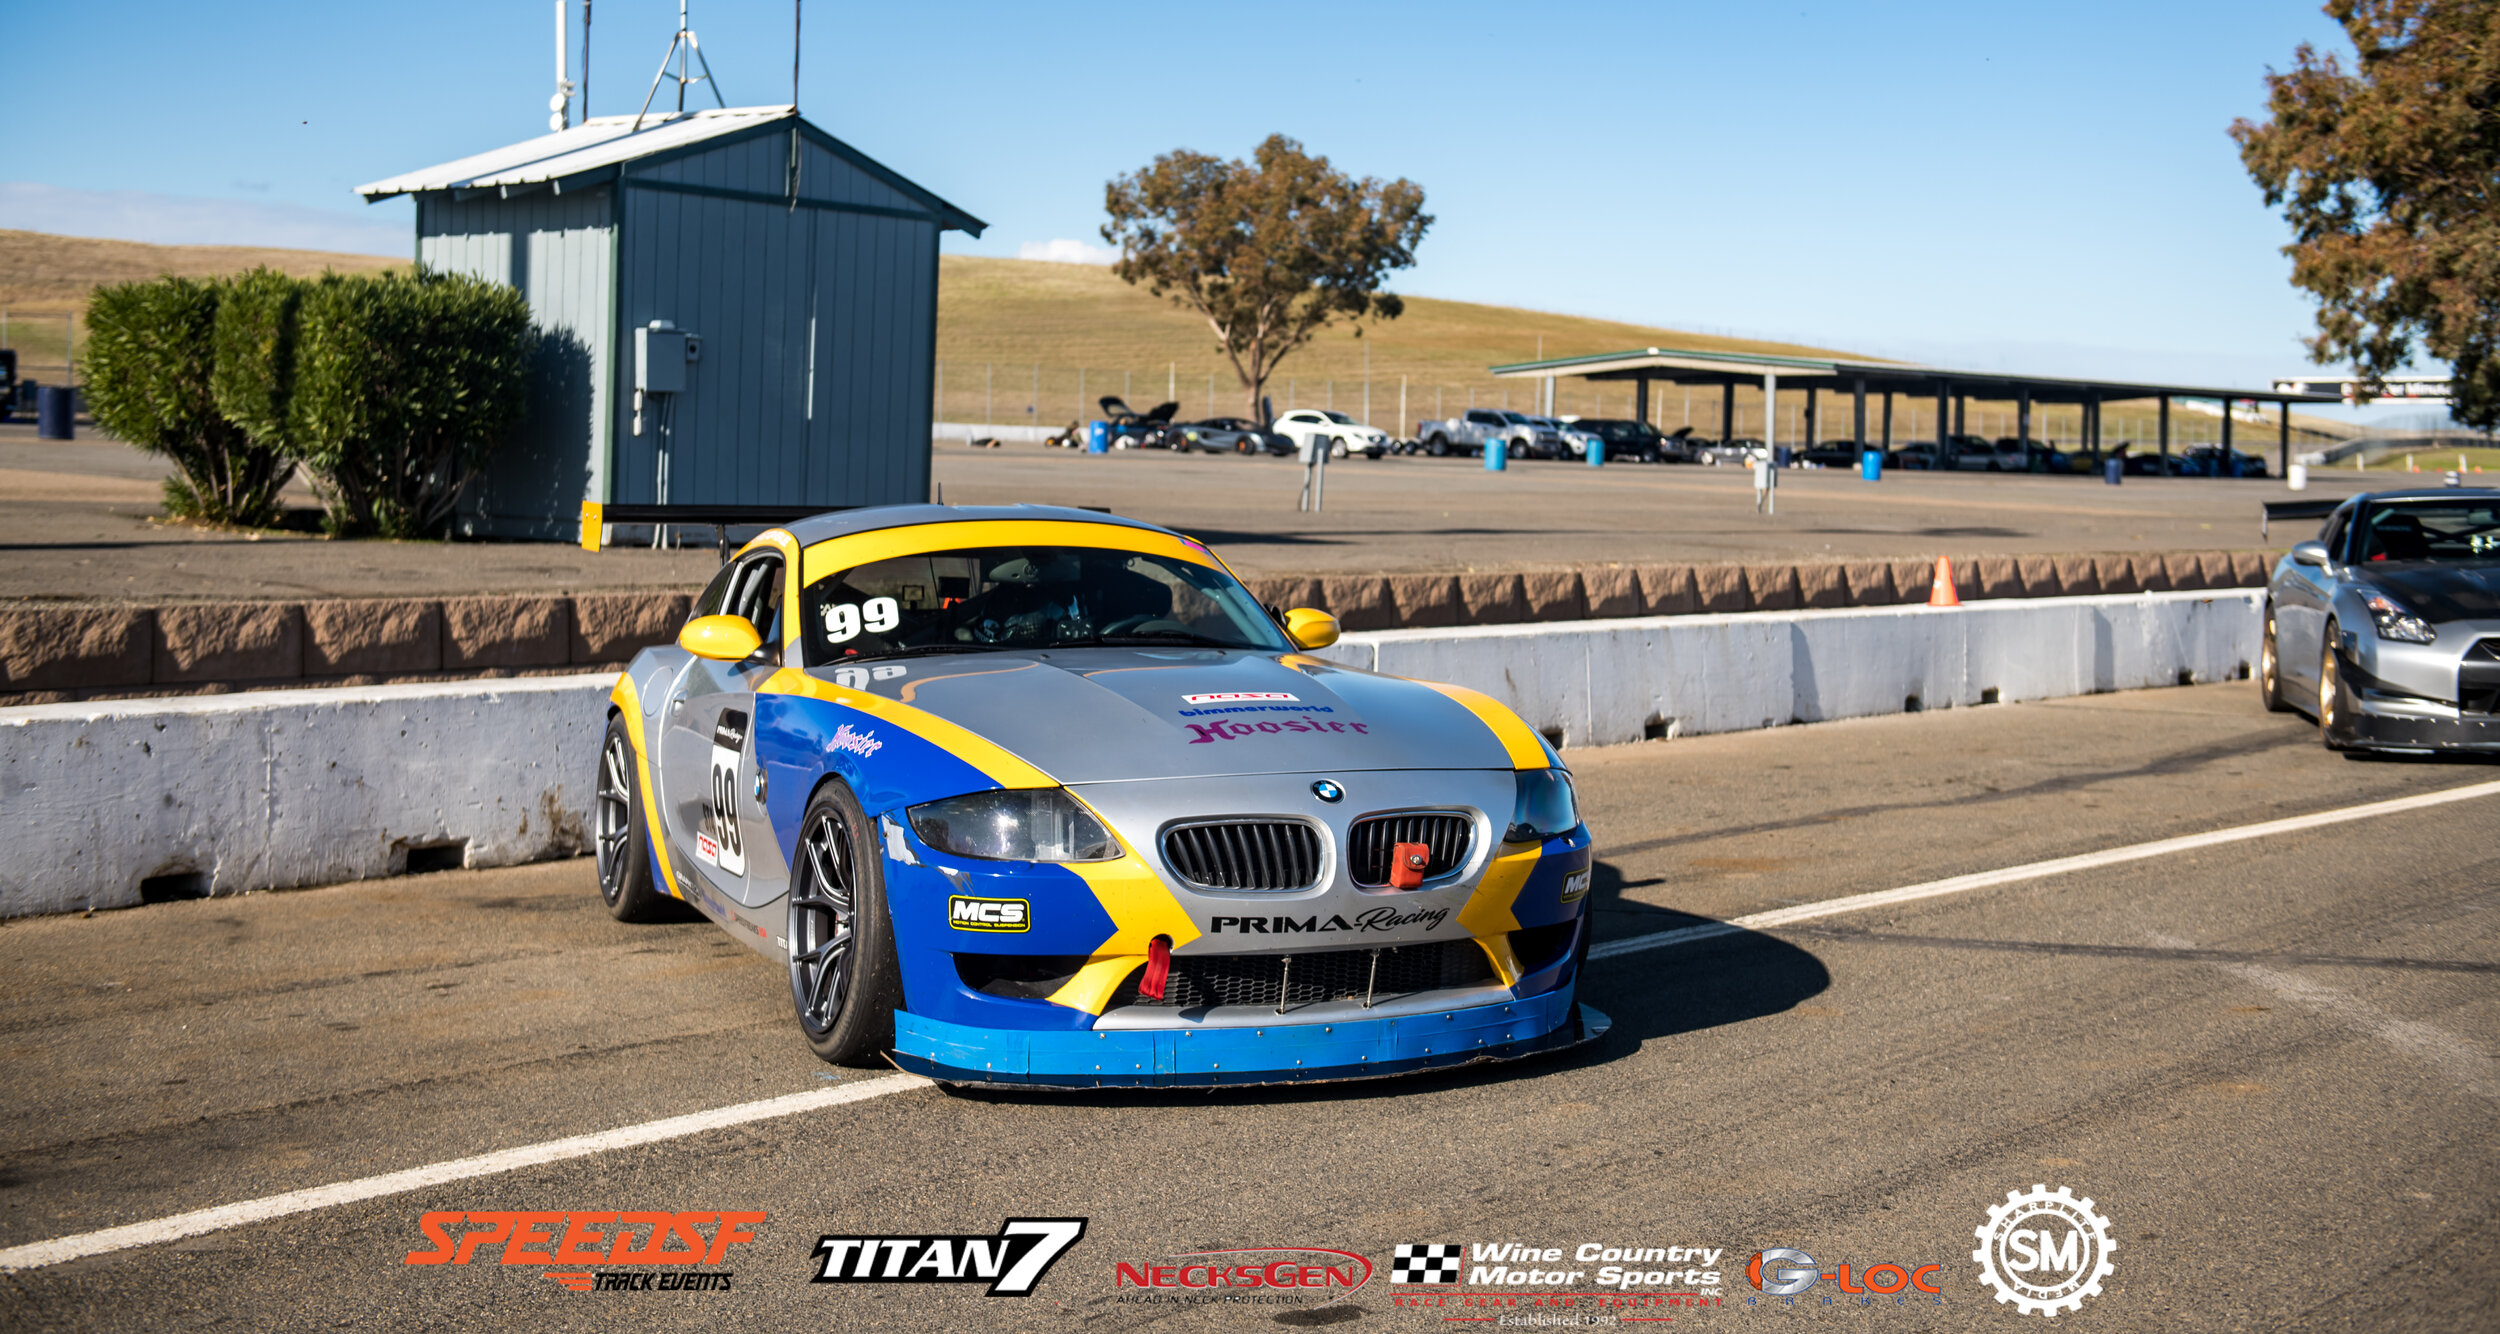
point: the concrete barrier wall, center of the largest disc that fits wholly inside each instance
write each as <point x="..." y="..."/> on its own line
<point x="226" y="793"/>
<point x="1601" y="682"/>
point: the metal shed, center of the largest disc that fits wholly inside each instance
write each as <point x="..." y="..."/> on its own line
<point x="801" y="272"/>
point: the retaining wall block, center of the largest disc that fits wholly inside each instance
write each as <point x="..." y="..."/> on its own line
<point x="1553" y="595"/>
<point x="1286" y="592"/>
<point x="1491" y="599"/>
<point x="1359" y="602"/>
<point x="76" y="648"/>
<point x="1994" y="577"/>
<point x="1720" y="588"/>
<point x="1612" y="592"/>
<point x="2041" y="577"/>
<point x="229" y="641"/>
<point x="1667" y="590"/>
<point x="2218" y="569"/>
<point x="2152" y="571"/>
<point x="1770" y="587"/>
<point x="382" y="636"/>
<point x="1425" y="601"/>
<point x="2078" y="577"/>
<point x="1822" y="584"/>
<point x="2117" y="574"/>
<point x="2187" y="572"/>
<point x="484" y="632"/>
<point x="613" y="627"/>
<point x="2251" y="569"/>
<point x="1870" y="583"/>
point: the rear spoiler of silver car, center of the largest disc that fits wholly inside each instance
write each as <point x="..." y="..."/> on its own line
<point x="2293" y="509"/>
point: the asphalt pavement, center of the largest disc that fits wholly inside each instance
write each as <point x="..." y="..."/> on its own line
<point x="2269" y="1062"/>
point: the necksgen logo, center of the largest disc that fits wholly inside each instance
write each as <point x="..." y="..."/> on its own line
<point x="1276" y="1268"/>
<point x="1011" y="1262"/>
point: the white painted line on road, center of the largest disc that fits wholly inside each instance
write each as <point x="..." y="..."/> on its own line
<point x="37" y="1254"/>
<point x="2468" y="1065"/>
<point x="2133" y="852"/>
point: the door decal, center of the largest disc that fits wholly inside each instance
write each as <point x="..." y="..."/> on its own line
<point x="717" y="841"/>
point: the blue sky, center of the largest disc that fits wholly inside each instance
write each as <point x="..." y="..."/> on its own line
<point x="2038" y="185"/>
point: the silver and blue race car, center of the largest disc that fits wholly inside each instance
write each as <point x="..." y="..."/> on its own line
<point x="2386" y="628"/>
<point x="1043" y="797"/>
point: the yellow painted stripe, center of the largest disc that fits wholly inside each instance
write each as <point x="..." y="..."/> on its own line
<point x="1488" y="914"/>
<point x="1141" y="907"/>
<point x="1527" y="750"/>
<point x="843" y="553"/>
<point x="1004" y="767"/>
<point x="629" y="702"/>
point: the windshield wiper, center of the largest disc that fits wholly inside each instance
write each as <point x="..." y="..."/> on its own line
<point x="923" y="651"/>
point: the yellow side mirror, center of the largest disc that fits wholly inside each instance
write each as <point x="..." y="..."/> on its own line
<point x="1310" y="628"/>
<point x="720" y="638"/>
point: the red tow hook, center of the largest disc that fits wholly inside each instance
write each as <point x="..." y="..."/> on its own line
<point x="1158" y="968"/>
<point x="1407" y="863"/>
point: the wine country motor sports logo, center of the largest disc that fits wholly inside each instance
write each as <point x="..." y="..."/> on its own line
<point x="602" y="1237"/>
<point x="1011" y="1260"/>
<point x="2044" y="1250"/>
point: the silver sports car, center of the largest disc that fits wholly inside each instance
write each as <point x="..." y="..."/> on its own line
<point x="2387" y="626"/>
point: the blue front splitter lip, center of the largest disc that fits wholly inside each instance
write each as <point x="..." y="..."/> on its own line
<point x="1282" y="1053"/>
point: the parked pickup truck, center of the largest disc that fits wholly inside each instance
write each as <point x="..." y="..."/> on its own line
<point x="1472" y="430"/>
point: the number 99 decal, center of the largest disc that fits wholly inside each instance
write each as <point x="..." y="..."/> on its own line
<point x="719" y="842"/>
<point x="844" y="621"/>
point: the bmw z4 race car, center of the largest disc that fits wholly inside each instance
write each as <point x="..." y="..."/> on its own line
<point x="2386" y="628"/>
<point x="1042" y="797"/>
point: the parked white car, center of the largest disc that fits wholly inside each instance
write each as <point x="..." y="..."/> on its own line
<point x="1345" y="436"/>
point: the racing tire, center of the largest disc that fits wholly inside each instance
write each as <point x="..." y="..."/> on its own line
<point x="1436" y="447"/>
<point x="621" y="837"/>
<point x="2269" y="670"/>
<point x="2331" y="701"/>
<point x="845" y="982"/>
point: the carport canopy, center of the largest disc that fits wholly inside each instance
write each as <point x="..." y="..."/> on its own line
<point x="1774" y="372"/>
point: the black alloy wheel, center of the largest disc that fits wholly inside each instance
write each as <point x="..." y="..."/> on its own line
<point x="843" y="979"/>
<point x="622" y="837"/>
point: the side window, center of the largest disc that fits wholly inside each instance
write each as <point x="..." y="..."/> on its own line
<point x="757" y="596"/>
<point x="715" y="595"/>
<point x="2334" y="535"/>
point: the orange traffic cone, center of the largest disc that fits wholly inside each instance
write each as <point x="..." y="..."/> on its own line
<point x="1940" y="593"/>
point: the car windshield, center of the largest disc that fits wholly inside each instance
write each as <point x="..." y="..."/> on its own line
<point x="1518" y="419"/>
<point x="2431" y="530"/>
<point x="1338" y="417"/>
<point x="1618" y="430"/>
<point x="985" y="599"/>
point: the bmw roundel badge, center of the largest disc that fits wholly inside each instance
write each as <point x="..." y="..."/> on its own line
<point x="1327" y="791"/>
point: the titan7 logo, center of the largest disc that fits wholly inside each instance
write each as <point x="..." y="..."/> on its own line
<point x="1011" y="1262"/>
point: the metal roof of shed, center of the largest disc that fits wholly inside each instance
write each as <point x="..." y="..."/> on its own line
<point x="595" y="151"/>
<point x="1693" y="365"/>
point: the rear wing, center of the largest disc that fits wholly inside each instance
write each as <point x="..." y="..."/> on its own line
<point x="719" y="518"/>
<point x="2290" y="510"/>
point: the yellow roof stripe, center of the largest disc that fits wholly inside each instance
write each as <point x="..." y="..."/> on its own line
<point x="843" y="553"/>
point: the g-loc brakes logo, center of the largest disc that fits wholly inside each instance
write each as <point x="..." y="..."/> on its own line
<point x="1010" y="1262"/>
<point x="1785" y="1271"/>
<point x="2044" y="1231"/>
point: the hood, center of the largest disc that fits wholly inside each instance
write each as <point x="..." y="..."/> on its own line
<point x="1100" y="715"/>
<point x="2439" y="593"/>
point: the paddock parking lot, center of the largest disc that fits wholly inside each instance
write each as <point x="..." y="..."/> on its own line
<point x="2269" y="1061"/>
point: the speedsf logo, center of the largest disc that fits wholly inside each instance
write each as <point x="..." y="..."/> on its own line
<point x="1011" y="1261"/>
<point x="604" y="1237"/>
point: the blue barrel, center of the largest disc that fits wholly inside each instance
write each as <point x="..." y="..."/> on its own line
<point x="1871" y="464"/>
<point x="2112" y="470"/>
<point x="1597" y="452"/>
<point x="1781" y="456"/>
<point x="1097" y="437"/>
<point x="1496" y="455"/>
<point x="52" y="414"/>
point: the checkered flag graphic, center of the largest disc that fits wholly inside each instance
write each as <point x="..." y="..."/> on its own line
<point x="1425" y="1262"/>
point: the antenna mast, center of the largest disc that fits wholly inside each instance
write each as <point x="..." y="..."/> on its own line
<point x="681" y="48"/>
<point x="560" y="106"/>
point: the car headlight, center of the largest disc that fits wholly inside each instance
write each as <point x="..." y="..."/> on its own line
<point x="1021" y="825"/>
<point x="2392" y="621"/>
<point x="1545" y="809"/>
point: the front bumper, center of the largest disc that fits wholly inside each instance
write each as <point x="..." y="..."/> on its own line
<point x="2360" y="729"/>
<point x="1282" y="1053"/>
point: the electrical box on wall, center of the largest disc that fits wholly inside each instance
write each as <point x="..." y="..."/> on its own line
<point x="661" y="353"/>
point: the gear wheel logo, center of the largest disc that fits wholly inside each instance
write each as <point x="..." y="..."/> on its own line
<point x="2044" y="1250"/>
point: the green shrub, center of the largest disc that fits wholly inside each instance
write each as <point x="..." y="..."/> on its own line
<point x="149" y="362"/>
<point x="403" y="388"/>
<point x="255" y="354"/>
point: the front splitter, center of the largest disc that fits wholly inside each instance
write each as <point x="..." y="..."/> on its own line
<point x="1284" y="1053"/>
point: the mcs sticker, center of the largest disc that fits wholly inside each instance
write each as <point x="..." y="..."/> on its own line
<point x="965" y="913"/>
